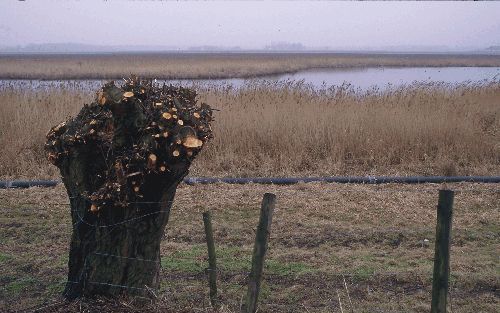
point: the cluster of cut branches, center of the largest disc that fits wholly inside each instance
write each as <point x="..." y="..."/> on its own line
<point x="140" y="128"/>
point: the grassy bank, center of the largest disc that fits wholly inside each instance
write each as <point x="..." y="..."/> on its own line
<point x="292" y="129"/>
<point x="371" y="236"/>
<point x="213" y="65"/>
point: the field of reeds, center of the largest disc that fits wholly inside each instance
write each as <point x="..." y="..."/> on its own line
<point x="364" y="247"/>
<point x="213" y="65"/>
<point x="291" y="128"/>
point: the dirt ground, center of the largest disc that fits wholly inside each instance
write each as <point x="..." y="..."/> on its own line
<point x="365" y="248"/>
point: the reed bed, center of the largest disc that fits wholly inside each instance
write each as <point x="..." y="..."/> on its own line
<point x="213" y="65"/>
<point x="291" y="128"/>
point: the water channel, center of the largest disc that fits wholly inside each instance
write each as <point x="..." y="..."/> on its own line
<point x="358" y="78"/>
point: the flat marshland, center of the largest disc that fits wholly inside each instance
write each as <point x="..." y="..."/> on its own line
<point x="367" y="248"/>
<point x="374" y="237"/>
<point x="290" y="128"/>
<point x="214" y="65"/>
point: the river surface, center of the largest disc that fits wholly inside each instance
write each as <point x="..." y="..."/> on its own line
<point x="362" y="78"/>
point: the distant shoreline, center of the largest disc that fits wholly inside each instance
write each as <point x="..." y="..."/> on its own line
<point x="493" y="53"/>
<point x="255" y="51"/>
<point x="210" y="65"/>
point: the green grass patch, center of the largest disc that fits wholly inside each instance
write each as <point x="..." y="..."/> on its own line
<point x="4" y="257"/>
<point x="229" y="259"/>
<point x="363" y="272"/>
<point x="232" y="259"/>
<point x="55" y="288"/>
<point x="20" y="285"/>
<point x="288" y="268"/>
<point x="187" y="261"/>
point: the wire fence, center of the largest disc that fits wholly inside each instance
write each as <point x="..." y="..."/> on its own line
<point x="290" y="286"/>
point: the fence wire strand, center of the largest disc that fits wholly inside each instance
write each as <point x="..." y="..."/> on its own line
<point x="393" y="191"/>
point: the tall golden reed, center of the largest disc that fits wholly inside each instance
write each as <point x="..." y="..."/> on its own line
<point x="290" y="128"/>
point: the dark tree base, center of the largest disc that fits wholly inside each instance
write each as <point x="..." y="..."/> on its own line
<point x="121" y="160"/>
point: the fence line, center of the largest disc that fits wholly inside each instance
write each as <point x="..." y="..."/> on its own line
<point x="225" y="279"/>
<point x="294" y="180"/>
<point x="119" y="223"/>
<point x="124" y="257"/>
<point x="329" y="191"/>
<point x="222" y="271"/>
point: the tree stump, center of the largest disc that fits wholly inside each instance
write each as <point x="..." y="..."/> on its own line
<point x="121" y="159"/>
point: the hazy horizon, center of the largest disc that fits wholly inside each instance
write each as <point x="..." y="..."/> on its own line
<point x="407" y="26"/>
<point x="282" y="47"/>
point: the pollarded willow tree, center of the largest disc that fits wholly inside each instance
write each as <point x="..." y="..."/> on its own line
<point x="121" y="159"/>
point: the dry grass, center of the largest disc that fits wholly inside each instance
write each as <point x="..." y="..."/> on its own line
<point x="212" y="65"/>
<point x="373" y="235"/>
<point x="292" y="129"/>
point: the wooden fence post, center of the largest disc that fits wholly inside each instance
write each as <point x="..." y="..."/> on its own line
<point x="259" y="252"/>
<point x="212" y="263"/>
<point x="441" y="273"/>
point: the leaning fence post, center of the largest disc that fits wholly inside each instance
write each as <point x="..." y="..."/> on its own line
<point x="259" y="252"/>
<point x="442" y="252"/>
<point x="212" y="264"/>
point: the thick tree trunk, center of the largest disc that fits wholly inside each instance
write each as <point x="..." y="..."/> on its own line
<point x="121" y="160"/>
<point x="118" y="252"/>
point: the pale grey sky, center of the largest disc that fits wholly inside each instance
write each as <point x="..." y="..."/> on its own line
<point x="251" y="24"/>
